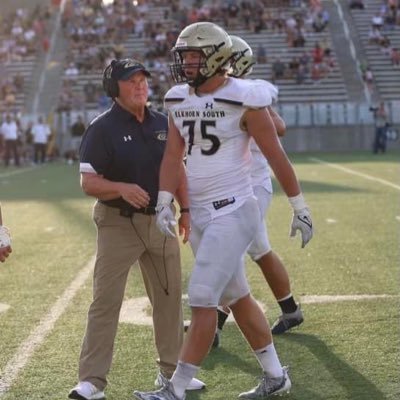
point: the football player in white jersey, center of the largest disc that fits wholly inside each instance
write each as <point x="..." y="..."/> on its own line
<point x="260" y="249"/>
<point x="212" y="118"/>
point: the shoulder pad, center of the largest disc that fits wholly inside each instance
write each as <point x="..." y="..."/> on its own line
<point x="175" y="95"/>
<point x="259" y="94"/>
<point x="270" y="86"/>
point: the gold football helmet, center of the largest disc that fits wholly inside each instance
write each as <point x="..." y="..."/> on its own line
<point x="214" y="45"/>
<point x="242" y="59"/>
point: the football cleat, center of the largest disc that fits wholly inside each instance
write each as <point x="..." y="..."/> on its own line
<point x="165" y="393"/>
<point x="269" y="387"/>
<point x="287" y="321"/>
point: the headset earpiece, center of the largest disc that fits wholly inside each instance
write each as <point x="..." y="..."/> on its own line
<point x="110" y="85"/>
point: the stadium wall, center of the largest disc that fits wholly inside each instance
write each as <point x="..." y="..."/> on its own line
<point x="332" y="139"/>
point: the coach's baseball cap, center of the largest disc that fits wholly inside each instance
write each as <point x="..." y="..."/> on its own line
<point x="122" y="70"/>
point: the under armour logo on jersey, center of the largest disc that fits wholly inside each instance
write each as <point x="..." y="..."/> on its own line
<point x="126" y="138"/>
<point x="209" y="105"/>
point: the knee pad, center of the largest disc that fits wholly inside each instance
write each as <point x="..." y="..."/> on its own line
<point x="202" y="296"/>
<point x="237" y="288"/>
<point x="260" y="245"/>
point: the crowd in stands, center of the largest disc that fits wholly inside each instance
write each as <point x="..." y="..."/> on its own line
<point x="98" y="33"/>
<point x="23" y="33"/>
<point x="383" y="22"/>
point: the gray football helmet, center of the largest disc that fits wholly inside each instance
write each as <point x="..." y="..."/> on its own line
<point x="215" y="46"/>
<point x="242" y="59"/>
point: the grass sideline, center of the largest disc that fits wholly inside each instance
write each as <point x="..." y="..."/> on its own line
<point x="344" y="350"/>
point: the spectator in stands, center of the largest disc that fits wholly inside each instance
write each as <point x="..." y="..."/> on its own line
<point x="317" y="53"/>
<point x="77" y="131"/>
<point x="319" y="23"/>
<point x="103" y="102"/>
<point x="299" y="39"/>
<point x="261" y="54"/>
<point x="395" y="56"/>
<point x="377" y="21"/>
<point x="278" y="70"/>
<point x="301" y="74"/>
<point x="385" y="45"/>
<point x="10" y="98"/>
<point x="369" y="78"/>
<point x="374" y="35"/>
<point x="294" y="65"/>
<point x="305" y="59"/>
<point x="18" y="81"/>
<point x="316" y="72"/>
<point x="71" y="72"/>
<point x="357" y="4"/>
<point x="9" y="131"/>
<point x="381" y="124"/>
<point x="40" y="133"/>
<point x="90" y="91"/>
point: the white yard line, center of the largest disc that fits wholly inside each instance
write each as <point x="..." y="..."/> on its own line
<point x="351" y="297"/>
<point x="134" y="311"/>
<point x="38" y="335"/>
<point x="352" y="172"/>
<point x="17" y="172"/>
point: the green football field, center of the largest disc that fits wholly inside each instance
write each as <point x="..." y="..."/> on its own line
<point x="347" y="280"/>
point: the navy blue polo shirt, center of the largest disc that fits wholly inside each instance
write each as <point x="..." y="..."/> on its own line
<point x="122" y="149"/>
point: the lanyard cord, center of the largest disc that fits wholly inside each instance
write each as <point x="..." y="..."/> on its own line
<point x="165" y="288"/>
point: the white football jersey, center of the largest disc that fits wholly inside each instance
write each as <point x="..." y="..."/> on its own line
<point x="218" y="154"/>
<point x="260" y="172"/>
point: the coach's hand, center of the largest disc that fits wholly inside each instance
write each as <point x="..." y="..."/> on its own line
<point x="165" y="216"/>
<point x="301" y="220"/>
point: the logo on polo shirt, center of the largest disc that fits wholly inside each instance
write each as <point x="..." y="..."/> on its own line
<point x="126" y="138"/>
<point x="162" y="135"/>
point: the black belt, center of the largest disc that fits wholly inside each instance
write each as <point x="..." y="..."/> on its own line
<point x="145" y="210"/>
<point x="127" y="210"/>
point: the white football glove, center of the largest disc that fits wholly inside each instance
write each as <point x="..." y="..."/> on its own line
<point x="5" y="237"/>
<point x="301" y="220"/>
<point x="165" y="217"/>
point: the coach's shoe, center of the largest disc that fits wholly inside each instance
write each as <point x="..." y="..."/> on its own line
<point x="287" y="321"/>
<point x="269" y="387"/>
<point x="165" y="393"/>
<point x="195" y="384"/>
<point x="86" y="391"/>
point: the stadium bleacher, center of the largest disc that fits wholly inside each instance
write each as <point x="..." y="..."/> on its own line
<point x="386" y="76"/>
<point x="331" y="85"/>
<point x="20" y="52"/>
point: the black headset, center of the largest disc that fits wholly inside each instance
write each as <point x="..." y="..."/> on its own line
<point x="110" y="84"/>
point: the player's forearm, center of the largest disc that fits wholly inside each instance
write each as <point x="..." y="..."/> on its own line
<point x="169" y="178"/>
<point x="285" y="174"/>
<point x="181" y="193"/>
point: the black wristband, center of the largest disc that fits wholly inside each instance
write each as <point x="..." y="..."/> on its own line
<point x="184" y="210"/>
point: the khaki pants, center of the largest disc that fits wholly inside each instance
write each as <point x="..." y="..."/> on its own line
<point x="121" y="242"/>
